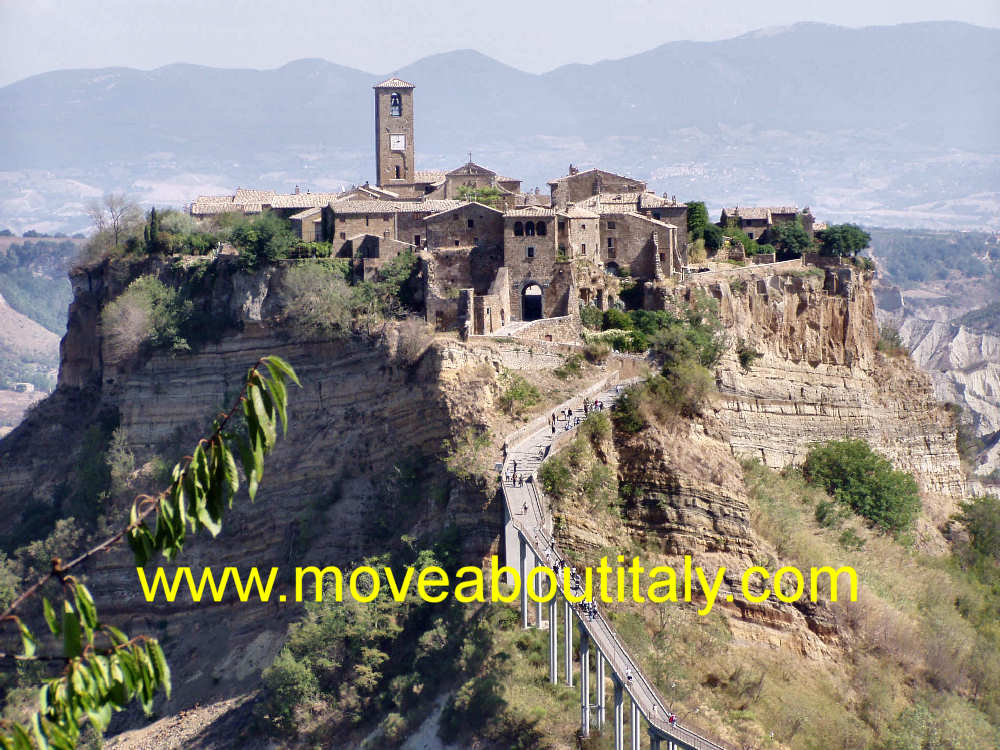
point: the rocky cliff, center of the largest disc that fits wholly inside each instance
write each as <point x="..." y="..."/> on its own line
<point x="964" y="365"/>
<point x="361" y="463"/>
<point x="820" y="377"/>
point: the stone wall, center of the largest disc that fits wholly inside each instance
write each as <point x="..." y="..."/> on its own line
<point x="564" y="329"/>
<point x="452" y="228"/>
<point x="578" y="187"/>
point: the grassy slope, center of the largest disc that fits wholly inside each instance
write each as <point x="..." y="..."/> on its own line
<point x="913" y="651"/>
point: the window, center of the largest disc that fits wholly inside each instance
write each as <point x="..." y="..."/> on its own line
<point x="475" y="241"/>
<point x="343" y="219"/>
<point x="531" y="252"/>
<point x="395" y="105"/>
<point x="456" y="243"/>
<point x="540" y="229"/>
<point x="583" y="226"/>
<point x="416" y="240"/>
<point x="656" y="215"/>
<point x="529" y="228"/>
<point x="343" y="235"/>
<point x="562" y="225"/>
<point x="750" y="235"/>
<point x="611" y="243"/>
<point x="385" y="234"/>
<point x="366" y="221"/>
<point x="397" y="171"/>
<point x="470" y="223"/>
<point x="518" y="229"/>
<point x="611" y="225"/>
<point x="583" y="248"/>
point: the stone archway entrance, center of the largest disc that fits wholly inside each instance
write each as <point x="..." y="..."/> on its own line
<point x="531" y="302"/>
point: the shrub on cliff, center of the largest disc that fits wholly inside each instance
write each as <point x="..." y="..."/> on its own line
<point x="981" y="518"/>
<point x="266" y="238"/>
<point x="319" y="300"/>
<point x="518" y="394"/>
<point x="147" y="313"/>
<point x="843" y="239"/>
<point x="865" y="481"/>
<point x="890" y="342"/>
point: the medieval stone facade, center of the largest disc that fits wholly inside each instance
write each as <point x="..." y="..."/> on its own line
<point x="491" y="254"/>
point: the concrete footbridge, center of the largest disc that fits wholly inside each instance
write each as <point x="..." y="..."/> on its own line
<point x="528" y="543"/>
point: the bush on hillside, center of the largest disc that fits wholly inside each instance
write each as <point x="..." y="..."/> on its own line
<point x="518" y="394"/>
<point x="865" y="481"/>
<point x="147" y="312"/>
<point x="266" y="238"/>
<point x="890" y="343"/>
<point x="319" y="299"/>
<point x="591" y="317"/>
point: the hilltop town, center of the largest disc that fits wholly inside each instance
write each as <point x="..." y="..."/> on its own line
<point x="493" y="254"/>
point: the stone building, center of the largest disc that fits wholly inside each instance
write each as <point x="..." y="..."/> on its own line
<point x="578" y="186"/>
<point x="755" y="221"/>
<point x="523" y="257"/>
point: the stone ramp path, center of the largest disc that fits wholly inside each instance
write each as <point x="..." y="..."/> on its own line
<point x="529" y="513"/>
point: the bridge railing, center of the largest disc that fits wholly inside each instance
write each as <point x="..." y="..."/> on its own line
<point x="640" y="689"/>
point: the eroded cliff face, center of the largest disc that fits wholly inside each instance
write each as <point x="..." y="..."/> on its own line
<point x="964" y="366"/>
<point x="819" y="377"/>
<point x="360" y="465"/>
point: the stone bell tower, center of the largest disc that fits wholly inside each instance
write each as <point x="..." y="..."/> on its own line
<point x="394" y="133"/>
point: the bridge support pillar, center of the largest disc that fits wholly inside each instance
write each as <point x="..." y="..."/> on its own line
<point x="600" y="689"/>
<point x="584" y="681"/>
<point x="538" y="593"/>
<point x="634" y="721"/>
<point x="524" y="581"/>
<point x="654" y="740"/>
<point x="619" y="695"/>
<point x="568" y="642"/>
<point x="553" y="642"/>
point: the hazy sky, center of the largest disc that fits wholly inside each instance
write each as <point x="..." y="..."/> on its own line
<point x="380" y="35"/>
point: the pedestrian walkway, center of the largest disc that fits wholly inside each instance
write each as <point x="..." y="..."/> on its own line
<point x="529" y="514"/>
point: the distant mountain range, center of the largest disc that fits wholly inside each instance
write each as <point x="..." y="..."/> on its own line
<point x="890" y="125"/>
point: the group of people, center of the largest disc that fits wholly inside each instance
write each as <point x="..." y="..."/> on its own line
<point x="515" y="479"/>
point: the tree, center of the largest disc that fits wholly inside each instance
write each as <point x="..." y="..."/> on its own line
<point x="713" y="237"/>
<point x="865" y="481"/>
<point x="115" y="213"/>
<point x="843" y="239"/>
<point x="697" y="220"/>
<point x="103" y="670"/>
<point x="266" y="238"/>
<point x="791" y="238"/>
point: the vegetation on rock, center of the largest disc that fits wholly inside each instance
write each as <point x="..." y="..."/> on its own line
<point x="864" y="481"/>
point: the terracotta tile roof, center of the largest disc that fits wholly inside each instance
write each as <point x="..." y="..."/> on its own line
<point x="394" y="83"/>
<point x="759" y="212"/>
<point x="652" y="200"/>
<point x="650" y="219"/>
<point x="531" y="211"/>
<point x="303" y="200"/>
<point x="351" y="206"/>
<point x="592" y="170"/>
<point x="253" y="196"/>
<point x="429" y="176"/>
<point x="207" y="208"/>
<point x="307" y="213"/>
<point x="578" y="212"/>
<point x="464" y="204"/>
<point x="472" y="168"/>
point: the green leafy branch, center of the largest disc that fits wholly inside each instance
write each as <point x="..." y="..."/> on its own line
<point x="104" y="670"/>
